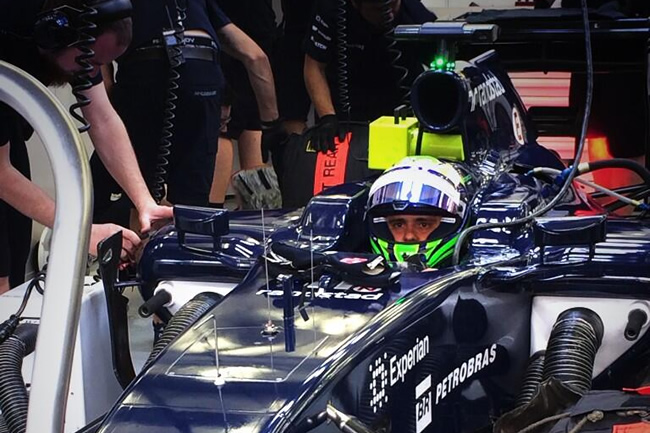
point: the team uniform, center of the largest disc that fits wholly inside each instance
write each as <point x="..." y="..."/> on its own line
<point x="256" y="18"/>
<point x="139" y="97"/>
<point x="293" y="99"/>
<point x="18" y="48"/>
<point x="372" y="82"/>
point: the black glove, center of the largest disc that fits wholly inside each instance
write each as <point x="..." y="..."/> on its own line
<point x="323" y="133"/>
<point x="274" y="137"/>
<point x="274" y="140"/>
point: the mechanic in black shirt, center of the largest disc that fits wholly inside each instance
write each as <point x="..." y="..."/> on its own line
<point x="293" y="99"/>
<point x="246" y="108"/>
<point x="139" y="95"/>
<point x="372" y="80"/>
<point x="27" y="41"/>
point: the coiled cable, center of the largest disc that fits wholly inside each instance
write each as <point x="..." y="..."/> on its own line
<point x="82" y="81"/>
<point x="343" y="74"/>
<point x="395" y="54"/>
<point x="164" y="149"/>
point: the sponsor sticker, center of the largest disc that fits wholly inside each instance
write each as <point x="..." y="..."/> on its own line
<point x="517" y="127"/>
<point x="465" y="371"/>
<point x="386" y="372"/>
<point x="486" y="92"/>
<point x="325" y="294"/>
<point x="423" y="404"/>
<point x="364" y="289"/>
<point x="330" y="166"/>
<point x="378" y="383"/>
<point x="353" y="260"/>
<point x="639" y="427"/>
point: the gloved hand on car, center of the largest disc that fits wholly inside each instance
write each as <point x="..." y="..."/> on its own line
<point x="322" y="134"/>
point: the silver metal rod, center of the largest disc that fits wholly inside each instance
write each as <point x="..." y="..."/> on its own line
<point x="69" y="252"/>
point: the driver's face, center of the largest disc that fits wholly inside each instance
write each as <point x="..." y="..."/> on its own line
<point x="372" y="10"/>
<point x="412" y="228"/>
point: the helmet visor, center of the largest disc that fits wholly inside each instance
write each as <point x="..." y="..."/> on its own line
<point x="402" y="189"/>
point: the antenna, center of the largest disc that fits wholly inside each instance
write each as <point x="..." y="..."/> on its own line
<point x="269" y="329"/>
<point x="311" y="266"/>
<point x="218" y="380"/>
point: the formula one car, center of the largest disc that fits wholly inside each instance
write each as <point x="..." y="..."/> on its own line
<point x="298" y="327"/>
<point x="298" y="320"/>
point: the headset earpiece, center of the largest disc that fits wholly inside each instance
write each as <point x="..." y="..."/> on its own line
<point x="112" y="10"/>
<point x="54" y="29"/>
<point x="59" y="28"/>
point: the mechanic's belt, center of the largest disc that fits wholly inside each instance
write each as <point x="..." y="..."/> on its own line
<point x="191" y="52"/>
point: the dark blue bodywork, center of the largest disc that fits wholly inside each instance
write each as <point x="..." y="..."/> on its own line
<point x="437" y="351"/>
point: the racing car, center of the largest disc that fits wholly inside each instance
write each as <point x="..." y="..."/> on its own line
<point x="301" y="323"/>
<point x="312" y="320"/>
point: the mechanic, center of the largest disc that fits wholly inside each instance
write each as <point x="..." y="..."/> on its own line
<point x="38" y="37"/>
<point x="372" y="78"/>
<point x="293" y="99"/>
<point x="250" y="109"/>
<point x="139" y="95"/>
<point x="416" y="210"/>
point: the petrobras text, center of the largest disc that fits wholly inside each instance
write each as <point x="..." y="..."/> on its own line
<point x="466" y="370"/>
<point x="485" y="92"/>
<point x="399" y="367"/>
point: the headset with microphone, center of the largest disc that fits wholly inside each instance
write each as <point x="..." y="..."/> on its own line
<point x="61" y="27"/>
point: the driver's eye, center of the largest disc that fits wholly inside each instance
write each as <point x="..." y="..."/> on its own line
<point x="396" y="224"/>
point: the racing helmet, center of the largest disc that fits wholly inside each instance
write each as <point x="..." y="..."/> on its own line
<point x="417" y="188"/>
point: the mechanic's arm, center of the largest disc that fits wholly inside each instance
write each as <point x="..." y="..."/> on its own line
<point x="317" y="86"/>
<point x="30" y="200"/>
<point x="239" y="45"/>
<point x="112" y="143"/>
<point x="22" y="194"/>
<point x="107" y="77"/>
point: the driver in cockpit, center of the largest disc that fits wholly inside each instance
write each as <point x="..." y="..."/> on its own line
<point x="416" y="209"/>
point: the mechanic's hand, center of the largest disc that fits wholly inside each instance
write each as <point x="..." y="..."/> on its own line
<point x="130" y="240"/>
<point x="274" y="136"/>
<point x="153" y="214"/>
<point x="323" y="133"/>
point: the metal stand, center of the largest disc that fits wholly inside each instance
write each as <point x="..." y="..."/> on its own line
<point x="69" y="252"/>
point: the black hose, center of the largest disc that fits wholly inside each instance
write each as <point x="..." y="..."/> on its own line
<point x="618" y="163"/>
<point x="342" y="59"/>
<point x="82" y="81"/>
<point x="154" y="303"/>
<point x="572" y="346"/>
<point x="13" y="394"/>
<point x="183" y="319"/>
<point x="532" y="378"/>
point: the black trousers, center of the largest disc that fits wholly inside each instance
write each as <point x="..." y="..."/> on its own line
<point x="139" y="97"/>
<point x="15" y="228"/>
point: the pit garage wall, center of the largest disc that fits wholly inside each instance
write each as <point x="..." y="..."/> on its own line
<point x="550" y="89"/>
